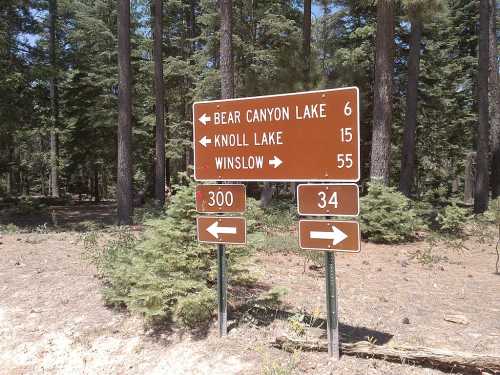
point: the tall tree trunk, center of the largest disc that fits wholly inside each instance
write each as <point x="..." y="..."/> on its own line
<point x="481" y="193"/>
<point x="306" y="46"/>
<point x="54" y="99"/>
<point x="159" y="87"/>
<point x="226" y="49"/>
<point x="97" y="196"/>
<point x="124" y="178"/>
<point x="382" y="111"/>
<point x="494" y="102"/>
<point x="408" y="158"/>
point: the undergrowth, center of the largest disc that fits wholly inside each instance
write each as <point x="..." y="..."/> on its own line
<point x="164" y="273"/>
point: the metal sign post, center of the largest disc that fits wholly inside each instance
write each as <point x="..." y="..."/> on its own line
<point x="222" y="289"/>
<point x="287" y="137"/>
<point x="332" y="319"/>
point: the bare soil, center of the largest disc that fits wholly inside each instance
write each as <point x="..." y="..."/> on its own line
<point x="53" y="319"/>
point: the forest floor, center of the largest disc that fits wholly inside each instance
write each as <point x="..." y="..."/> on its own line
<point x="53" y="319"/>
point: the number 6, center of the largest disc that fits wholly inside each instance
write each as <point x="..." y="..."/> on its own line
<point x="348" y="109"/>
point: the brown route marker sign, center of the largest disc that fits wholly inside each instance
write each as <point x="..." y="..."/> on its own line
<point x="220" y="198"/>
<point x="328" y="199"/>
<point x="292" y="137"/>
<point x="331" y="235"/>
<point x="221" y="230"/>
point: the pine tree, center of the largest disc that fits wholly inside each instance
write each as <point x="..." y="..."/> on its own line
<point x="418" y="11"/>
<point x="54" y="98"/>
<point x="226" y="49"/>
<point x="382" y="106"/>
<point x="124" y="171"/>
<point x="494" y="102"/>
<point x="159" y="86"/>
<point x="481" y="193"/>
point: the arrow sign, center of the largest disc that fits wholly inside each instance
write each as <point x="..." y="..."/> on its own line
<point x="336" y="235"/>
<point x="275" y="162"/>
<point x="221" y="230"/>
<point x="205" y="141"/>
<point x="329" y="235"/>
<point x="204" y="119"/>
<point x="304" y="136"/>
<point x="215" y="230"/>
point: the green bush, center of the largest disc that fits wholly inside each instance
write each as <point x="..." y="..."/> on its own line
<point x="195" y="309"/>
<point x="165" y="274"/>
<point x="8" y="228"/>
<point x="452" y="219"/>
<point x="387" y="216"/>
<point x="280" y="215"/>
<point x="493" y="214"/>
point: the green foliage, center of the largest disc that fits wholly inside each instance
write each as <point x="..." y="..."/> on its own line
<point x="165" y="273"/>
<point x="297" y="325"/>
<point x="280" y="215"/>
<point x="493" y="213"/>
<point x="195" y="309"/>
<point x="452" y="219"/>
<point x="254" y="215"/>
<point x="8" y="228"/>
<point x="387" y="216"/>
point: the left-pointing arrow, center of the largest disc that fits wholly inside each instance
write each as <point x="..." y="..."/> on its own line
<point x="336" y="235"/>
<point x="204" y="119"/>
<point x="205" y="141"/>
<point x="215" y="230"/>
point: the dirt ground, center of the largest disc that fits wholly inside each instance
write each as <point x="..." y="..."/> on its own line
<point x="53" y="320"/>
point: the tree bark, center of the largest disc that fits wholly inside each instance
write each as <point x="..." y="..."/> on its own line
<point x="226" y="49"/>
<point x="494" y="102"/>
<point x="306" y="47"/>
<point x="481" y="194"/>
<point x="54" y="99"/>
<point x="408" y="157"/>
<point x="97" y="197"/>
<point x="124" y="178"/>
<point x="469" y="178"/>
<point x="159" y="87"/>
<point x="382" y="104"/>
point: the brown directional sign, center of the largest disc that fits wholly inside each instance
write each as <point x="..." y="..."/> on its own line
<point x="293" y="137"/>
<point x="220" y="198"/>
<point x="328" y="199"/>
<point x="329" y="235"/>
<point x="222" y="230"/>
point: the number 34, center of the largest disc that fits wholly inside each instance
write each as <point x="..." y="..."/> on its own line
<point x="323" y="201"/>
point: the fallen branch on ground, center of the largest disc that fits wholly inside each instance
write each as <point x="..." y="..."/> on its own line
<point x="437" y="358"/>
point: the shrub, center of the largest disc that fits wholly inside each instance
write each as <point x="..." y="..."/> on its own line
<point x="386" y="215"/>
<point x="493" y="213"/>
<point x="280" y="215"/>
<point x="195" y="309"/>
<point x="8" y="228"/>
<point x="452" y="219"/>
<point x="165" y="273"/>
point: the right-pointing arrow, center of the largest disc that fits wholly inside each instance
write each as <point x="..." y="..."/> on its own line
<point x="275" y="162"/>
<point x="215" y="230"/>
<point x="336" y="235"/>
<point x="204" y="119"/>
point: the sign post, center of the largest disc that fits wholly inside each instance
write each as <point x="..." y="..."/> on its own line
<point x="332" y="321"/>
<point x="308" y="136"/>
<point x="222" y="289"/>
